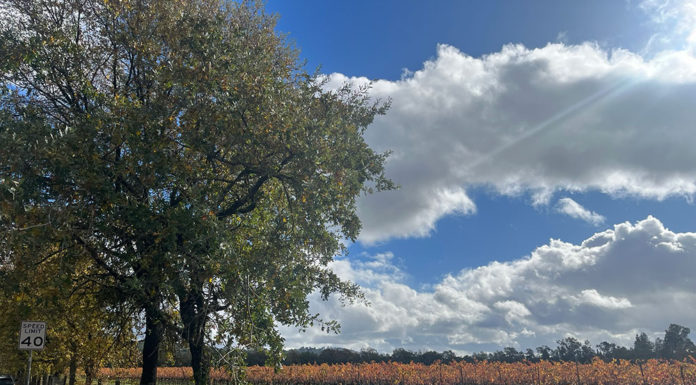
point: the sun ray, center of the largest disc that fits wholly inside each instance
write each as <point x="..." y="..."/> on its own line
<point x="594" y="99"/>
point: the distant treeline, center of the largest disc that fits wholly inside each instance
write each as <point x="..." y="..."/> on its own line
<point x="675" y="344"/>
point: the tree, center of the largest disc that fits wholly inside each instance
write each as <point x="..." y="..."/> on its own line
<point x="371" y="355"/>
<point x="337" y="356"/>
<point x="609" y="351"/>
<point x="80" y="331"/>
<point x="530" y="356"/>
<point x="643" y="348"/>
<point x="182" y="149"/>
<point x="676" y="344"/>
<point x="570" y="349"/>
<point x="428" y="357"/>
<point x="301" y="356"/>
<point x="448" y="356"/>
<point x="544" y="352"/>
<point x="508" y="354"/>
<point x="402" y="355"/>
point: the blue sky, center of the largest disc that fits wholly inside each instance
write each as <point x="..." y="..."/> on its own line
<point x="544" y="153"/>
<point x="340" y="36"/>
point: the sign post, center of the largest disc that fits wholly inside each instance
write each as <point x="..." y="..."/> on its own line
<point x="29" y="368"/>
<point x="32" y="336"/>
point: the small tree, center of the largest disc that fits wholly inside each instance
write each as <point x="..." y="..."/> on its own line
<point x="80" y="330"/>
<point x="570" y="349"/>
<point x="643" y="348"/>
<point x="544" y="352"/>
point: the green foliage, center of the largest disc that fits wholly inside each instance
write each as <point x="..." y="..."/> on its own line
<point x="676" y="344"/>
<point x="179" y="150"/>
<point x="80" y="330"/>
<point x="643" y="348"/>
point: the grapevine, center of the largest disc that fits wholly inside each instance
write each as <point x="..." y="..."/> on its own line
<point x="616" y="372"/>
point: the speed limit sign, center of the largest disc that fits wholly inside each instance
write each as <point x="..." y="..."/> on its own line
<point x="32" y="335"/>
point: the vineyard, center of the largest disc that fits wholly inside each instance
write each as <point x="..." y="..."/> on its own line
<point x="651" y="372"/>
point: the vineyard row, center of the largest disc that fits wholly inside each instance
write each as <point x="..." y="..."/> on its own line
<point x="651" y="372"/>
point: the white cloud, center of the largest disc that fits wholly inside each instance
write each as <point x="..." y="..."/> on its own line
<point x="634" y="277"/>
<point x="593" y="298"/>
<point x="532" y="122"/>
<point x="573" y="209"/>
<point x="675" y="24"/>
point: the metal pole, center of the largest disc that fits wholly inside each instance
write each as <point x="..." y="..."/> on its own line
<point x="29" y="369"/>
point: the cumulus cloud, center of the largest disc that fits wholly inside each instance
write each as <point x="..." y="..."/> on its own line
<point x="630" y="278"/>
<point x="575" y="210"/>
<point x="593" y="298"/>
<point x="533" y="122"/>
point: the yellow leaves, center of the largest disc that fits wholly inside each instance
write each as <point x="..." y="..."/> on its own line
<point x="493" y="373"/>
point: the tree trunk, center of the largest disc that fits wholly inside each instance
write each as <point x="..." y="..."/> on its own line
<point x="153" y="337"/>
<point x="89" y="364"/>
<point x="73" y="369"/>
<point x="200" y="364"/>
<point x="193" y="316"/>
<point x="89" y="374"/>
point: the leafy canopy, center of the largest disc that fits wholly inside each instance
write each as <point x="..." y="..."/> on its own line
<point x="181" y="153"/>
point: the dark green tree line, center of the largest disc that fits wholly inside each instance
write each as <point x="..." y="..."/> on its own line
<point x="679" y="347"/>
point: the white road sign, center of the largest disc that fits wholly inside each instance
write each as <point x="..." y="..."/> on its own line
<point x="32" y="335"/>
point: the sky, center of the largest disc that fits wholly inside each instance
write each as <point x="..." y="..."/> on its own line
<point x="544" y="153"/>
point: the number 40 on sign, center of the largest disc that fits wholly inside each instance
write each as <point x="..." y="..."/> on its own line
<point x="32" y="335"/>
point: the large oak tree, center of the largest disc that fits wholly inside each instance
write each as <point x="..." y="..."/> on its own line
<point x="180" y="148"/>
